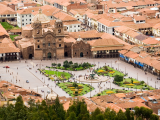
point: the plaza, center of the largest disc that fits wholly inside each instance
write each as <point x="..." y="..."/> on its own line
<point x="23" y="70"/>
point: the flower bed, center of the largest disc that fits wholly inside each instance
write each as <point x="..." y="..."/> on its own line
<point x="75" y="91"/>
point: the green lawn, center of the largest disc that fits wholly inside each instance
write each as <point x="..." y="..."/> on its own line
<point x="134" y="86"/>
<point x="67" y="75"/>
<point x="7" y="26"/>
<point x="12" y="37"/>
<point x="86" y="88"/>
<point x="114" y="91"/>
<point x="109" y="74"/>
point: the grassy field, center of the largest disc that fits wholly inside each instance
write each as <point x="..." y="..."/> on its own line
<point x="86" y="88"/>
<point x="67" y="75"/>
<point x="134" y="85"/>
<point x="110" y="74"/>
<point x="7" y="26"/>
<point x="12" y="37"/>
<point x="110" y="91"/>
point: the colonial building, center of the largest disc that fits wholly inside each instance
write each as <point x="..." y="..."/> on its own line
<point x="41" y="40"/>
<point x="8" y="50"/>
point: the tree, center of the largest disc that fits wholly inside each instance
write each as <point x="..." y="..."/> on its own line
<point x="66" y="65"/>
<point x="70" y="62"/>
<point x="75" y="65"/>
<point x="128" y="114"/>
<point x="58" y="108"/>
<point x="118" y="78"/>
<point x="72" y="116"/>
<point x="137" y="111"/>
<point x="132" y="81"/>
<point x="142" y="82"/>
<point x="106" y="68"/>
<point x="95" y="113"/>
<point x="121" y="115"/>
<point x="65" y="62"/>
<point x="59" y="64"/>
<point x="54" y="64"/>
<point x="100" y="117"/>
<point x="154" y="117"/>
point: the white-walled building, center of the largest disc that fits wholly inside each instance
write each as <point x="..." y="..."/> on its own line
<point x="71" y="23"/>
<point x="108" y="26"/>
<point x="24" y="17"/>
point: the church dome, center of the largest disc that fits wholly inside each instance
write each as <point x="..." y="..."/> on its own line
<point x="40" y="17"/>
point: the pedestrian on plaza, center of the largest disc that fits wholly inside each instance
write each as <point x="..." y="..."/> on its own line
<point x="19" y="80"/>
<point x="17" y="68"/>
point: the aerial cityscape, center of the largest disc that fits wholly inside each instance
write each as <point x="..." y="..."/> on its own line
<point x="79" y="60"/>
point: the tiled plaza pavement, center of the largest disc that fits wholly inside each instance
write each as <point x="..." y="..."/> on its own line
<point x="36" y="80"/>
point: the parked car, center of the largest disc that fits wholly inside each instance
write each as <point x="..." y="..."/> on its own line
<point x="27" y="81"/>
<point x="6" y="67"/>
<point x="48" y="91"/>
<point x="158" y="78"/>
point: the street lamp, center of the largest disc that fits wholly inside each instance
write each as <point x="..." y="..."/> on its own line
<point x="111" y="64"/>
<point x="118" y="67"/>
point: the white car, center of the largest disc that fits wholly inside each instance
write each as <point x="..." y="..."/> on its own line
<point x="48" y="91"/>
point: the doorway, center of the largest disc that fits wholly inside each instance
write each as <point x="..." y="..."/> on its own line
<point x="49" y="55"/>
<point x="66" y="54"/>
<point x="81" y="54"/>
<point x="30" y="56"/>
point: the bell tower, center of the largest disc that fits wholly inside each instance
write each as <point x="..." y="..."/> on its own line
<point x="59" y="29"/>
<point x="59" y="32"/>
<point x="37" y="29"/>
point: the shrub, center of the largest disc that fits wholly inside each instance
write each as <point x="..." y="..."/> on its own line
<point x="100" y="71"/>
<point x="130" y="84"/>
<point x="137" y="83"/>
<point x="109" y="92"/>
<point x="126" y="82"/>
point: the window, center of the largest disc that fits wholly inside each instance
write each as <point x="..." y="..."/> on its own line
<point x="75" y="53"/>
<point x="59" y="39"/>
<point x="78" y="25"/>
<point x="74" y="26"/>
<point x="22" y="16"/>
<point x="23" y="24"/>
<point x="67" y="28"/>
<point x="30" y="19"/>
<point x="71" y="26"/>
<point x="51" y="17"/>
<point x="59" y="45"/>
<point x="87" y="52"/>
<point x="8" y="15"/>
<point x="22" y="20"/>
<point x="54" y="43"/>
<point x="37" y="40"/>
<point x="29" y="15"/>
<point x="38" y="31"/>
<point x="26" y="19"/>
<point x="65" y="46"/>
<point x="38" y="46"/>
<point x="59" y="30"/>
<point x="48" y="44"/>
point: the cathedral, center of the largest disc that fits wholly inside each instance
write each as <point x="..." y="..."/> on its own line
<point x="40" y="40"/>
<point x="45" y="39"/>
